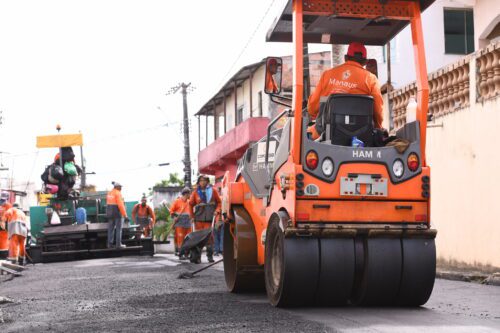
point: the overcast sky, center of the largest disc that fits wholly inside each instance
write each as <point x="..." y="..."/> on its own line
<point x="103" y="67"/>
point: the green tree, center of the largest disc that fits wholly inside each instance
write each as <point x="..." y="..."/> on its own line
<point x="173" y="180"/>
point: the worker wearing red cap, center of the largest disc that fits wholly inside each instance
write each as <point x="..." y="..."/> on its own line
<point x="272" y="69"/>
<point x="349" y="78"/>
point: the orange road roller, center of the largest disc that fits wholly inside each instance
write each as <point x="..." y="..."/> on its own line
<point x="327" y="222"/>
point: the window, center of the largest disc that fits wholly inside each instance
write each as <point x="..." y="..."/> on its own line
<point x="260" y="103"/>
<point x="458" y="31"/>
<point x="239" y="115"/>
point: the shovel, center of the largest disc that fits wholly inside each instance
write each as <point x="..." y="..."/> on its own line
<point x="190" y="275"/>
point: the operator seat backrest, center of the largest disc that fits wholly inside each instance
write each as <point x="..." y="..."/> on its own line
<point x="348" y="116"/>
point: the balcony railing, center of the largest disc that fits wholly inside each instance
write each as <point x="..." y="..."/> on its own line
<point x="450" y="87"/>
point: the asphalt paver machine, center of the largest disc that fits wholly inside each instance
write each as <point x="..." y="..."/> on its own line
<point x="318" y="223"/>
<point x="69" y="240"/>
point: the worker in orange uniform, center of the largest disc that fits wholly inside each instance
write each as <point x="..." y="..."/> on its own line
<point x="17" y="233"/>
<point x="116" y="213"/>
<point x="144" y="216"/>
<point x="205" y="205"/>
<point x="180" y="213"/>
<point x="4" y="237"/>
<point x="348" y="78"/>
<point x="272" y="69"/>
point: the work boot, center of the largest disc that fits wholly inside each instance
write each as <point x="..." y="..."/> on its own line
<point x="210" y="253"/>
<point x="195" y="256"/>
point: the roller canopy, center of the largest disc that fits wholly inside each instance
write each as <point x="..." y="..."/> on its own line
<point x="370" y="22"/>
<point x="58" y="141"/>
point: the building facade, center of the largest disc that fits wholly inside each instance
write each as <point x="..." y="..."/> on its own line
<point x="239" y="113"/>
<point x="452" y="29"/>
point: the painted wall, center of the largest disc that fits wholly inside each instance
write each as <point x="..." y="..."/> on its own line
<point x="464" y="184"/>
<point x="486" y="17"/>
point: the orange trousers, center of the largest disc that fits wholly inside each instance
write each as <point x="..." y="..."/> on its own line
<point x="17" y="247"/>
<point x="4" y="244"/>
<point x="179" y="235"/>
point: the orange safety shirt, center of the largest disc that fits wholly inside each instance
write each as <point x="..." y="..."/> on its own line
<point x="143" y="212"/>
<point x="115" y="204"/>
<point x="180" y="206"/>
<point x="271" y="84"/>
<point x="195" y="200"/>
<point x="17" y="222"/>
<point x="348" y="78"/>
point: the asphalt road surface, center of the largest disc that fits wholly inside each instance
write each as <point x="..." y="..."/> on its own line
<point x="143" y="294"/>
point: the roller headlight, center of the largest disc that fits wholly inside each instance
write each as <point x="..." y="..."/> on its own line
<point x="398" y="168"/>
<point x="327" y="167"/>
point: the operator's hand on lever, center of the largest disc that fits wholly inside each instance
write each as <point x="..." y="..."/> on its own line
<point x="312" y="132"/>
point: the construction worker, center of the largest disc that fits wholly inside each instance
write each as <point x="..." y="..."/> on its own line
<point x="4" y="237"/>
<point x="116" y="213"/>
<point x="180" y="213"/>
<point x="144" y="216"/>
<point x="272" y="69"/>
<point x="17" y="233"/>
<point x="348" y="78"/>
<point x="204" y="205"/>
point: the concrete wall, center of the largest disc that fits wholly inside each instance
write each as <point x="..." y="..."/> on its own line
<point x="465" y="181"/>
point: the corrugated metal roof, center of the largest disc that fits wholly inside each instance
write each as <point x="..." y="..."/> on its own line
<point x="240" y="76"/>
<point x="342" y="30"/>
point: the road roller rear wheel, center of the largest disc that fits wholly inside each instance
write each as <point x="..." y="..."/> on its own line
<point x="241" y="271"/>
<point x="291" y="266"/>
<point x="337" y="271"/>
<point x="382" y="272"/>
<point x="419" y="271"/>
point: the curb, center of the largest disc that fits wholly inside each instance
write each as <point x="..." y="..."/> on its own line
<point x="474" y="277"/>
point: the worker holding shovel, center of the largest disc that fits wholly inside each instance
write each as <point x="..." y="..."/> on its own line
<point x="205" y="204"/>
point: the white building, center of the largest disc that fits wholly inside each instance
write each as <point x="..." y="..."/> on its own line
<point x="452" y="29"/>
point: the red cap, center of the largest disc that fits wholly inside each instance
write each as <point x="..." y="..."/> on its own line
<point x="356" y="48"/>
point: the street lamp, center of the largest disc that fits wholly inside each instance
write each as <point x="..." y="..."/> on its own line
<point x="164" y="164"/>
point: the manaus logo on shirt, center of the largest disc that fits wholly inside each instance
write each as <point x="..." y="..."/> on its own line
<point x="346" y="75"/>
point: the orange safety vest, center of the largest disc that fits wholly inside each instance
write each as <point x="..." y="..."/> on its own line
<point x="271" y="84"/>
<point x="17" y="222"/>
<point x="115" y="206"/>
<point x="180" y="206"/>
<point x="4" y="239"/>
<point x="143" y="212"/>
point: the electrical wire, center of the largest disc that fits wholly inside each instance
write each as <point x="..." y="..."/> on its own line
<point x="31" y="173"/>
<point x="247" y="43"/>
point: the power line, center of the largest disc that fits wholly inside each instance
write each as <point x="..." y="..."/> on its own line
<point x="248" y="42"/>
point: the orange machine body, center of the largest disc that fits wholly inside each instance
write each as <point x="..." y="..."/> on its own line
<point x="403" y="205"/>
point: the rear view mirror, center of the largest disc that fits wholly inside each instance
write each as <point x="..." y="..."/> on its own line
<point x="274" y="71"/>
<point x="372" y="66"/>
